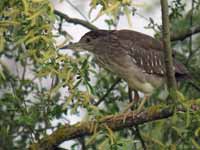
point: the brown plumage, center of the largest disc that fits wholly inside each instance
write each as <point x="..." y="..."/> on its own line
<point x="135" y="57"/>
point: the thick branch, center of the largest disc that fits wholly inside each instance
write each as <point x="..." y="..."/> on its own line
<point x="113" y="122"/>
<point x="75" y="20"/>
<point x="116" y="122"/>
<point x="183" y="35"/>
<point x="171" y="81"/>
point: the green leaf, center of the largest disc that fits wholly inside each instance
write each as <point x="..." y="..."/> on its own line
<point x="26" y="6"/>
<point x="2" y="75"/>
<point x="2" y="42"/>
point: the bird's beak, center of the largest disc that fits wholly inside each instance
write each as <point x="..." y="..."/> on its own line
<point x="74" y="46"/>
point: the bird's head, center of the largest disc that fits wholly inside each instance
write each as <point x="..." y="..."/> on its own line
<point x="89" y="41"/>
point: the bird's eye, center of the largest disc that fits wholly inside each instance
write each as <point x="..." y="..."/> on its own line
<point x="88" y="40"/>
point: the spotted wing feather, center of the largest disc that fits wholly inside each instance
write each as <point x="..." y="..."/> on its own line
<point x="147" y="53"/>
<point x="150" y="61"/>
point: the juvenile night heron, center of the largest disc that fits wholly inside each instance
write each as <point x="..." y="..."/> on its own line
<point x="135" y="57"/>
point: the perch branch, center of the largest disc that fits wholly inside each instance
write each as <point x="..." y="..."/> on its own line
<point x="75" y="20"/>
<point x="116" y="122"/>
<point x="113" y="122"/>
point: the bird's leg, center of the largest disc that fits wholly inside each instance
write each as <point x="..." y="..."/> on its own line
<point x="144" y="99"/>
<point x="130" y="105"/>
<point x="131" y="99"/>
<point x="136" y="96"/>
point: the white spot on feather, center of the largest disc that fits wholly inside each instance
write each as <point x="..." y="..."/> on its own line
<point x="156" y="63"/>
<point x="152" y="64"/>
<point x="134" y="60"/>
<point x="160" y="63"/>
<point x="141" y="62"/>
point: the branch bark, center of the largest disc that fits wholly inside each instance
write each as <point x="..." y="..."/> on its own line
<point x="114" y="122"/>
<point x="75" y="20"/>
<point x="171" y="81"/>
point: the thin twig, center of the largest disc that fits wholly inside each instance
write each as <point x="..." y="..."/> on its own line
<point x="140" y="137"/>
<point x="141" y="16"/>
<point x="194" y="85"/>
<point x="185" y="34"/>
<point x="108" y="92"/>
<point x="73" y="6"/>
<point x="75" y="20"/>
<point x="190" y="40"/>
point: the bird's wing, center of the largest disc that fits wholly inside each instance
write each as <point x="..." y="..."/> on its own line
<point x="150" y="61"/>
<point x="148" y="53"/>
<point x="139" y="39"/>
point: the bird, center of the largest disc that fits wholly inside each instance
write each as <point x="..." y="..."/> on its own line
<point x="133" y="56"/>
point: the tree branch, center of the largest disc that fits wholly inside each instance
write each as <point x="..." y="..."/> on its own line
<point x="171" y="81"/>
<point x="183" y="35"/>
<point x="114" y="122"/>
<point x="75" y="20"/>
<point x="174" y="37"/>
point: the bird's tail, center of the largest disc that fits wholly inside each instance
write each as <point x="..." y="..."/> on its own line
<point x="181" y="72"/>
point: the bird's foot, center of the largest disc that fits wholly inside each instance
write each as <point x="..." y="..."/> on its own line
<point x="126" y="110"/>
<point x="130" y="105"/>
